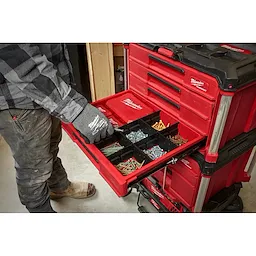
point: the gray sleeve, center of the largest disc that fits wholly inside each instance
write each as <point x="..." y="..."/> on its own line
<point x="25" y="66"/>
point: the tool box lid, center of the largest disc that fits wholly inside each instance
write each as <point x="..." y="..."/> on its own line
<point x="232" y="69"/>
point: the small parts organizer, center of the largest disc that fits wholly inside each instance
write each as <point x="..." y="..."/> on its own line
<point x="140" y="142"/>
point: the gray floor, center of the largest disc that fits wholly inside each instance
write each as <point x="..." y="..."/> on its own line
<point x="80" y="168"/>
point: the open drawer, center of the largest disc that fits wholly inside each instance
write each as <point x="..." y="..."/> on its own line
<point x="134" y="113"/>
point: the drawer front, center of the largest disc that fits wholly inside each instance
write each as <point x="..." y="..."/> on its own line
<point x="196" y="103"/>
<point x="164" y="102"/>
<point x="151" y="78"/>
<point x="188" y="168"/>
<point x="177" y="187"/>
<point x="198" y="122"/>
<point x="184" y="75"/>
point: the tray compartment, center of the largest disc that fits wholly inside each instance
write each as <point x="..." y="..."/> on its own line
<point x="156" y="140"/>
<point x="136" y="126"/>
<point x="160" y="116"/>
<point x="115" y="138"/>
<point x="129" y="152"/>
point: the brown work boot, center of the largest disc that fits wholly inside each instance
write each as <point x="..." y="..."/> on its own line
<point x="77" y="190"/>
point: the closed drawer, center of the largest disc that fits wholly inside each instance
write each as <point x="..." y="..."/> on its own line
<point x="191" y="100"/>
<point x="199" y="122"/>
<point x="184" y="75"/>
<point x="152" y="78"/>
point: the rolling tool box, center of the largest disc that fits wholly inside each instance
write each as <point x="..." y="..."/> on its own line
<point x="205" y="93"/>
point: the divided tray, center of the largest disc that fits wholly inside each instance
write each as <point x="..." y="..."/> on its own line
<point x="136" y="150"/>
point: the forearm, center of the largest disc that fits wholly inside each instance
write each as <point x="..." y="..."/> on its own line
<point x="25" y="66"/>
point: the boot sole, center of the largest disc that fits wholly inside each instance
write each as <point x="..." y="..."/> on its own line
<point x="74" y="197"/>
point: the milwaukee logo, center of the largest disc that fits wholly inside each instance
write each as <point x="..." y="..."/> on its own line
<point x="130" y="103"/>
<point x="232" y="48"/>
<point x="97" y="125"/>
<point x="198" y="84"/>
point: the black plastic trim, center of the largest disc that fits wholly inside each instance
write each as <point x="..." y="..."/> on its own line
<point x="152" y="196"/>
<point x="174" y="67"/>
<point x="164" y="98"/>
<point x="222" y="199"/>
<point x="177" y="89"/>
<point x="228" y="153"/>
<point x="92" y="155"/>
<point x="149" y="46"/>
<point x="232" y="69"/>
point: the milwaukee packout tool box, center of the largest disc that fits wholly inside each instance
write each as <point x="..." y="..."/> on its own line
<point x="181" y="99"/>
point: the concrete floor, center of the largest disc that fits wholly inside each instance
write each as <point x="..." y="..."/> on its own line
<point x="80" y="168"/>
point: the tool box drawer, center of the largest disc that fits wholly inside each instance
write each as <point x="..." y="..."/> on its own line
<point x="184" y="75"/>
<point x="130" y="158"/>
<point x="152" y="78"/>
<point x="199" y="122"/>
<point x="173" y="91"/>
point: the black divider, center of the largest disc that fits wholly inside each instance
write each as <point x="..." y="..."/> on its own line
<point x="170" y="131"/>
<point x="152" y="118"/>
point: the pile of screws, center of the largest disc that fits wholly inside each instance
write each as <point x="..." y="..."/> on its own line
<point x="136" y="136"/>
<point x="111" y="149"/>
<point x="129" y="166"/>
<point x="178" y="140"/>
<point x="159" y="126"/>
<point x="154" y="152"/>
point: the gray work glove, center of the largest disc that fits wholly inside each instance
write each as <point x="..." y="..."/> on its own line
<point x="93" y="124"/>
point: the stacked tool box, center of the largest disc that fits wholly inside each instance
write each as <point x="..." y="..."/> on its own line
<point x="205" y="93"/>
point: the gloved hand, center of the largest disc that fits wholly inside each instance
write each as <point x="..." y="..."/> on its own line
<point x="93" y="124"/>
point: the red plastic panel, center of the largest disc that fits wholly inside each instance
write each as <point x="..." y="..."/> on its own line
<point x="251" y="123"/>
<point x="186" y="114"/>
<point x="182" y="183"/>
<point x="128" y="107"/>
<point x="174" y="91"/>
<point x="241" y="110"/>
<point x="194" y="80"/>
<point x="234" y="172"/>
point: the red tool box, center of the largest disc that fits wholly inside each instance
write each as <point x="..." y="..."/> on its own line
<point x="206" y="94"/>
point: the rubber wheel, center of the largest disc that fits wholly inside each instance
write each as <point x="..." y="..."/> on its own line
<point x="236" y="206"/>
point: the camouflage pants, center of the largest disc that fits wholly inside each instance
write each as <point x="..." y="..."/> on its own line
<point x="34" y="137"/>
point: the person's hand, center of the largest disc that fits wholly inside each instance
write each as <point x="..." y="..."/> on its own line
<point x="93" y="124"/>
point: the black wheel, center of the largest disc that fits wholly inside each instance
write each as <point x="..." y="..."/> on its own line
<point x="236" y="206"/>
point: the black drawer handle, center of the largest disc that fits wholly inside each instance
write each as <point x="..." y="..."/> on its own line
<point x="176" y="68"/>
<point x="164" y="98"/>
<point x="177" y="89"/>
